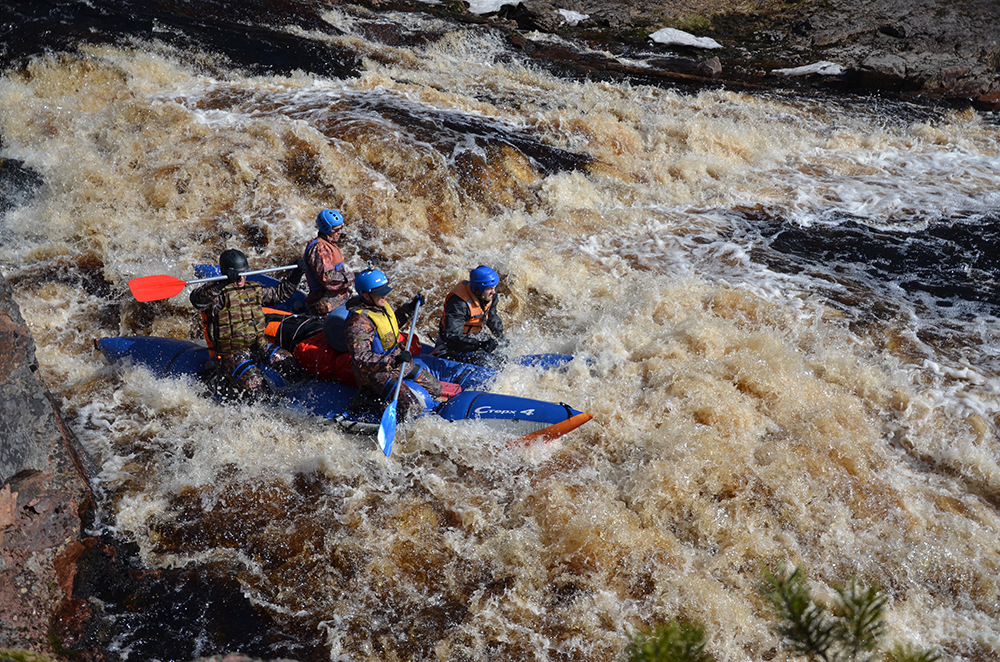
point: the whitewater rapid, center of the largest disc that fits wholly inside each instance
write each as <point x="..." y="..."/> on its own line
<point x="755" y="402"/>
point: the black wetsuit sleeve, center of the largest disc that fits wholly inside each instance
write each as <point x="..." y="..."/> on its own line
<point x="494" y="323"/>
<point x="456" y="312"/>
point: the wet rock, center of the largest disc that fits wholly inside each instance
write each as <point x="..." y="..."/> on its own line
<point x="44" y="492"/>
<point x="893" y="30"/>
<point x="536" y="15"/>
<point x="936" y="49"/>
<point x="610" y="15"/>
<point x="880" y="71"/>
<point x="988" y="102"/>
<point x="933" y="49"/>
<point x="18" y="184"/>
<point x="118" y="602"/>
<point x="710" y="68"/>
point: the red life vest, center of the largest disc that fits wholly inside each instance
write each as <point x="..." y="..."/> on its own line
<point x="338" y="261"/>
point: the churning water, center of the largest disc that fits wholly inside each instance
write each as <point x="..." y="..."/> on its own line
<point x="783" y="309"/>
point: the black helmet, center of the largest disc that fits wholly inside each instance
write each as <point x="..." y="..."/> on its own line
<point x="233" y="259"/>
<point x="233" y="262"/>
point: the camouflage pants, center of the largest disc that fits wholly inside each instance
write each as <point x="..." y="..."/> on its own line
<point x="241" y="370"/>
<point x="379" y="387"/>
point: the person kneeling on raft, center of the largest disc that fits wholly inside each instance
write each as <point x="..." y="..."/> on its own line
<point x="373" y="340"/>
<point x="470" y="317"/>
<point x="232" y="310"/>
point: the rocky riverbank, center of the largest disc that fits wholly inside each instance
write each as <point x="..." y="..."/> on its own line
<point x="45" y="496"/>
<point x="926" y="49"/>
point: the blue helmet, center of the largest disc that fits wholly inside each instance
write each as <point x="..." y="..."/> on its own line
<point x="329" y="219"/>
<point x="374" y="281"/>
<point x="482" y="277"/>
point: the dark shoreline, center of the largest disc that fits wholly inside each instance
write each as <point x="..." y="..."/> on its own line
<point x="937" y="52"/>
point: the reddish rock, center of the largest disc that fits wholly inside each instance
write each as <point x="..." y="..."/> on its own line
<point x="65" y="565"/>
<point x="990" y="101"/>
<point x="43" y="492"/>
<point x="73" y="623"/>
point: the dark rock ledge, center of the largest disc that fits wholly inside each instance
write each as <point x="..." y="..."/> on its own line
<point x="924" y="50"/>
<point x="44" y="494"/>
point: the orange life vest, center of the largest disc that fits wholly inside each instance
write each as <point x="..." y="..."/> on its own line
<point x="477" y="313"/>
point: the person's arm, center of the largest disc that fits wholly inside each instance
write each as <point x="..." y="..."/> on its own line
<point x="208" y="298"/>
<point x="405" y="312"/>
<point x="279" y="293"/>
<point x="338" y="275"/>
<point x="456" y="312"/>
<point x="287" y="287"/>
<point x="493" y="321"/>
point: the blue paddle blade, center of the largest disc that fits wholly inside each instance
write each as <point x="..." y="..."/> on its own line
<point x="387" y="429"/>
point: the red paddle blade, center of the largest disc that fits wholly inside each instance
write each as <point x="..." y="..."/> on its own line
<point x="155" y="288"/>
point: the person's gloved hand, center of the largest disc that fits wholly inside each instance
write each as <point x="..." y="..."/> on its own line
<point x="490" y="345"/>
<point x="233" y="275"/>
<point x="403" y="357"/>
<point x="300" y="269"/>
<point x="417" y="298"/>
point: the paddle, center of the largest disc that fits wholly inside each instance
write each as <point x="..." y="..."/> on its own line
<point x="155" y="288"/>
<point x="387" y="428"/>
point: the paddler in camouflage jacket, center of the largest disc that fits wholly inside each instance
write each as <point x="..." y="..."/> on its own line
<point x="328" y="277"/>
<point x="372" y="331"/>
<point x="234" y="321"/>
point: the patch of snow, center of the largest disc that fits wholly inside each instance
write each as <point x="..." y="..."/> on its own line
<point x="573" y="17"/>
<point x="824" y="68"/>
<point x="489" y="6"/>
<point x="672" y="37"/>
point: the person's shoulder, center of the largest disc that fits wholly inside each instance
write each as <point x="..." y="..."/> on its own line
<point x="358" y="312"/>
<point x="358" y="319"/>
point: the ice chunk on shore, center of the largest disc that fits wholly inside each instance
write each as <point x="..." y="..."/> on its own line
<point x="573" y="17"/>
<point x="672" y="37"/>
<point x="823" y="68"/>
<point x="489" y="6"/>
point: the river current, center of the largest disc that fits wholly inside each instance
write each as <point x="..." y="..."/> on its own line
<point x="782" y="308"/>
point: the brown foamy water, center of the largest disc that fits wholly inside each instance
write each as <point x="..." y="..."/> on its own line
<point x="740" y="421"/>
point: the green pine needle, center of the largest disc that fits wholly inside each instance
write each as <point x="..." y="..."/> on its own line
<point x="676" y="641"/>
<point x="861" y="623"/>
